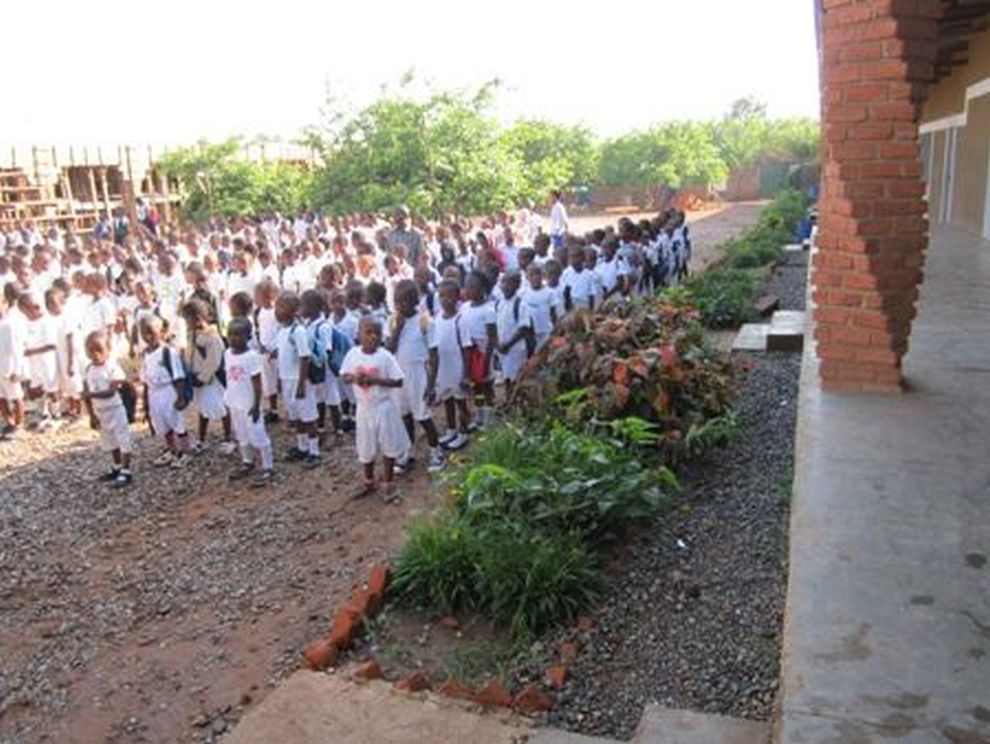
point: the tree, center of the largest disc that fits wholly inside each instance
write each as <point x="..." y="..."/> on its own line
<point x="552" y="155"/>
<point x="217" y="180"/>
<point x="676" y="154"/>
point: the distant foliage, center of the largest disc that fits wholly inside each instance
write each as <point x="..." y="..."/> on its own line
<point x="216" y="180"/>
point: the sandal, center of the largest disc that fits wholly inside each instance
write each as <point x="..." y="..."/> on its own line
<point x="367" y="488"/>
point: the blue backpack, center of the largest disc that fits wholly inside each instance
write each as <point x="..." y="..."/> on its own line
<point x="317" y="369"/>
<point x="340" y="345"/>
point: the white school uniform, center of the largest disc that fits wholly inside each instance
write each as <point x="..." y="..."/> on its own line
<point x="239" y="397"/>
<point x="12" y="361"/>
<point x="608" y="274"/>
<point x="582" y="286"/>
<point x="161" y="390"/>
<point x="328" y="392"/>
<point x="102" y="314"/>
<point x="512" y="315"/>
<point x="43" y="367"/>
<point x="476" y="319"/>
<point x="115" y="431"/>
<point x="292" y="343"/>
<point x="265" y="332"/>
<point x="379" y="427"/>
<point x="412" y="353"/>
<point x="539" y="303"/>
<point x="69" y="334"/>
<point x="450" y="338"/>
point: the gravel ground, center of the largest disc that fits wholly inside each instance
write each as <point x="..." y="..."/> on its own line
<point x="160" y="613"/>
<point x="694" y="614"/>
<point x="788" y="282"/>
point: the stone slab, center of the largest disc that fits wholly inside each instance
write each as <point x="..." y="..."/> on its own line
<point x="316" y="708"/>
<point x="751" y="337"/>
<point x="766" y="305"/>
<point x="785" y="340"/>
<point x="660" y="725"/>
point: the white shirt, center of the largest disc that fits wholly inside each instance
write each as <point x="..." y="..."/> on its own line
<point x="558" y="219"/>
<point x="476" y="319"/>
<point x="154" y="373"/>
<point x="450" y="338"/>
<point x="241" y="370"/>
<point x="292" y="343"/>
<point x="102" y="314"/>
<point x="99" y="378"/>
<point x="238" y="283"/>
<point x="11" y="345"/>
<point x="415" y="341"/>
<point x="608" y="274"/>
<point x="513" y="314"/>
<point x="538" y="305"/>
<point x="380" y="364"/>
<point x="267" y="328"/>
<point x="582" y="285"/>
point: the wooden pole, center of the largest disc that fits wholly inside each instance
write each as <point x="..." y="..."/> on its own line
<point x="104" y="188"/>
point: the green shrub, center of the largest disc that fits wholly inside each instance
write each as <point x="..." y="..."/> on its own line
<point x="764" y="243"/>
<point x="436" y="567"/>
<point x="724" y="296"/>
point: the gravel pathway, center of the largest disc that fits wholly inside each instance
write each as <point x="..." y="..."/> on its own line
<point x="788" y="282"/>
<point x="694" y="614"/>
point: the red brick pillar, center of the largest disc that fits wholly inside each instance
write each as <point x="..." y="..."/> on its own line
<point x="877" y="59"/>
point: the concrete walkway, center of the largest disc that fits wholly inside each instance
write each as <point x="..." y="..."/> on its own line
<point x="887" y="634"/>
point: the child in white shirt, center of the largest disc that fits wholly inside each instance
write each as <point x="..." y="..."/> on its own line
<point x="265" y="332"/>
<point x="412" y="342"/>
<point x="292" y="347"/>
<point x="101" y="392"/>
<point x="164" y="378"/>
<point x="541" y="303"/>
<point x="40" y="350"/>
<point x="243" y="397"/>
<point x="321" y="333"/>
<point x="478" y="318"/>
<point x="578" y="283"/>
<point x="374" y="373"/>
<point x="452" y="342"/>
<point x="68" y="350"/>
<point x="12" y="365"/>
<point x="515" y="331"/>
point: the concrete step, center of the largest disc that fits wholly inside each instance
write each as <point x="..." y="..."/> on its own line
<point x="660" y="725"/>
<point x="751" y="337"/>
<point x="786" y="331"/>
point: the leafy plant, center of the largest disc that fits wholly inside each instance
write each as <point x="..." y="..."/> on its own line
<point x="436" y="567"/>
<point x="724" y="296"/>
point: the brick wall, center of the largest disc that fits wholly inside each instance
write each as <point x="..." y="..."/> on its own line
<point x="877" y="60"/>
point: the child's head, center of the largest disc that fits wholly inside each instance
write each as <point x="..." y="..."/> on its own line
<point x="197" y="314"/>
<point x="423" y="278"/>
<point x="449" y="292"/>
<point x="535" y="275"/>
<point x="406" y="298"/>
<point x="476" y="287"/>
<point x="541" y="243"/>
<point x="590" y="257"/>
<point x="338" y="303"/>
<point x="525" y="258"/>
<point x="287" y="308"/>
<point x="97" y="347"/>
<point x="510" y="284"/>
<point x="369" y="334"/>
<point x="265" y="292"/>
<point x="143" y="294"/>
<point x="311" y="304"/>
<point x="354" y="294"/>
<point x="239" y="334"/>
<point x="552" y="269"/>
<point x="240" y="305"/>
<point x="609" y="245"/>
<point x="28" y="305"/>
<point x="375" y="294"/>
<point x="54" y="299"/>
<point x="151" y="329"/>
<point x="575" y="257"/>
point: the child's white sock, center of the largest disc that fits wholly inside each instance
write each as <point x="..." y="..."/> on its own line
<point x="314" y="446"/>
<point x="267" y="458"/>
<point x="302" y="442"/>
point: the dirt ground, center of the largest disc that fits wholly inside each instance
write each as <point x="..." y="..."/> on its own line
<point x="160" y="614"/>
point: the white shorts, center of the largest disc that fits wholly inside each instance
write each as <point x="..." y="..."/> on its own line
<point x="380" y="431"/>
<point x="411" y="397"/>
<point x="70" y="385"/>
<point x="208" y="400"/>
<point x="115" y="432"/>
<point x="44" y="372"/>
<point x="513" y="362"/>
<point x="329" y="391"/>
<point x="11" y="390"/>
<point x="269" y="376"/>
<point x="452" y="393"/>
<point x="247" y="431"/>
<point x="161" y="409"/>
<point x="299" y="409"/>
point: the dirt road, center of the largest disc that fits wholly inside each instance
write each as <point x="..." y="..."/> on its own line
<point x="161" y="613"/>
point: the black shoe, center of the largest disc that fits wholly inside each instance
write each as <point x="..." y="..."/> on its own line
<point x="272" y="418"/>
<point x="311" y="461"/>
<point x="109" y="476"/>
<point x="123" y="479"/>
<point x="296" y="455"/>
<point x="241" y="472"/>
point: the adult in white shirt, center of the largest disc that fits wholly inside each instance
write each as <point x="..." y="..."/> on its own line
<point x="558" y="220"/>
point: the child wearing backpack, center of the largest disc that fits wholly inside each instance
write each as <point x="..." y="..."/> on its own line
<point x="294" y="353"/>
<point x="516" y="340"/>
<point x="101" y="387"/>
<point x="166" y="390"/>
<point x="243" y="397"/>
<point x="321" y="336"/>
<point x="203" y="359"/>
<point x="453" y="385"/>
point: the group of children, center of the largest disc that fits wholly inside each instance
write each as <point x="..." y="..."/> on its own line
<point x="245" y="321"/>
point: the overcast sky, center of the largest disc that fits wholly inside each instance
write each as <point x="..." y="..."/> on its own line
<point x="103" y="71"/>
